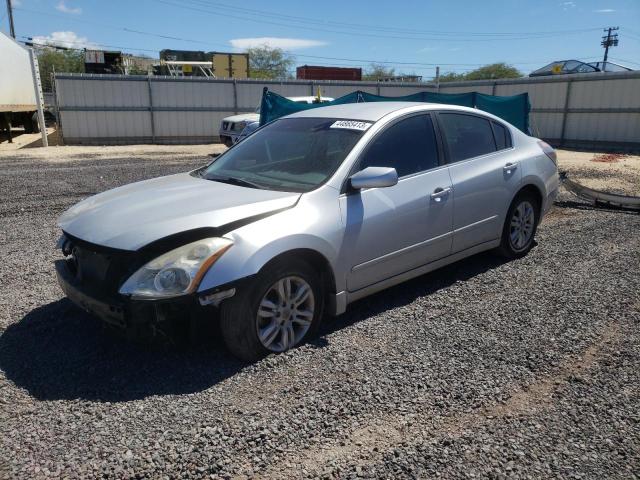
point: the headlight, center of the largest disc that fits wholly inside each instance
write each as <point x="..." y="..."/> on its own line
<point x="177" y="272"/>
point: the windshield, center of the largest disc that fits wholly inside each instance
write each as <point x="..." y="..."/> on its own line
<point x="291" y="154"/>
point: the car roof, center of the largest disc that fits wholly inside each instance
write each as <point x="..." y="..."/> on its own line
<point x="370" y="111"/>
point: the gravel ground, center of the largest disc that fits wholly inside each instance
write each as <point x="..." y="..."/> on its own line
<point x="523" y="369"/>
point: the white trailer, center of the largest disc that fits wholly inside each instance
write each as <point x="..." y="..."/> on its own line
<point x="17" y="86"/>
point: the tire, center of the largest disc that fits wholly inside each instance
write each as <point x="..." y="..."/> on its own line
<point x="520" y="226"/>
<point x="35" y="127"/>
<point x="27" y="123"/>
<point x="243" y="316"/>
<point x="228" y="142"/>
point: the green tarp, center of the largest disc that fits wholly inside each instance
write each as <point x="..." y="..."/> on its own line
<point x="513" y="109"/>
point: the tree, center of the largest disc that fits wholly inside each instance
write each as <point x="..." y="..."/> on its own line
<point x="267" y="62"/>
<point x="493" y="71"/>
<point x="60" y="61"/>
<point x="377" y="71"/>
<point x="452" y="77"/>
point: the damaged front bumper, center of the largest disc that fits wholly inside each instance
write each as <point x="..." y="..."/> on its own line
<point x="137" y="318"/>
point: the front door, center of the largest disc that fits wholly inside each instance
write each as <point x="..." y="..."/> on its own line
<point x="391" y="230"/>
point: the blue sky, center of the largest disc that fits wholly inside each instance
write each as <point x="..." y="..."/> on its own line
<point x="411" y="35"/>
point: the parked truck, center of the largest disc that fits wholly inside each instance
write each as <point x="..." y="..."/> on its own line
<point x="17" y="93"/>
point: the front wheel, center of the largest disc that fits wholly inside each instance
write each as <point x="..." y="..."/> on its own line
<point x="520" y="226"/>
<point x="278" y="312"/>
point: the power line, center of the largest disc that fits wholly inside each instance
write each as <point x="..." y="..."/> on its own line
<point x="625" y="61"/>
<point x="262" y="21"/>
<point x="414" y="65"/>
<point x="321" y="57"/>
<point x="369" y="27"/>
<point x="83" y="45"/>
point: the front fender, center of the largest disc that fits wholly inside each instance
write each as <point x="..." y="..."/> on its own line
<point x="311" y="225"/>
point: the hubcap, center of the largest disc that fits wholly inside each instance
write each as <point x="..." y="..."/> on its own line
<point x="521" y="228"/>
<point x="285" y="314"/>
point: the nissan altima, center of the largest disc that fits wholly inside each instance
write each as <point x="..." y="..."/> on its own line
<point x="308" y="214"/>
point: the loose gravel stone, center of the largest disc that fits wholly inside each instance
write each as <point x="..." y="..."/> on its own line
<point x="483" y="369"/>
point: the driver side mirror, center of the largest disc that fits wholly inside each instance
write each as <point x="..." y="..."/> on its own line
<point x="374" y="177"/>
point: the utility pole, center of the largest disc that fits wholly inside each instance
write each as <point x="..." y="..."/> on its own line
<point x="609" y="41"/>
<point x="10" y="12"/>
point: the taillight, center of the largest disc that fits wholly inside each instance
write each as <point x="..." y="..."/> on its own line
<point x="549" y="151"/>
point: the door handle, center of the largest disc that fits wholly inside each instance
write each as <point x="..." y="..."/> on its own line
<point x="439" y="193"/>
<point x="510" y="167"/>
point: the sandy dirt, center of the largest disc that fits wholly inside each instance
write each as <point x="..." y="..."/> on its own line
<point x="613" y="173"/>
<point x="24" y="145"/>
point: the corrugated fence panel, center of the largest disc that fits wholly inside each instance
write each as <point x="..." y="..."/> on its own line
<point x="111" y="127"/>
<point x="106" y="109"/>
<point x="545" y="125"/>
<point x="337" y="91"/>
<point x="192" y="94"/>
<point x="193" y="126"/>
<point x="390" y="91"/>
<point x="604" y="127"/>
<point x="98" y="93"/>
<point x="486" y="89"/>
<point x="542" y="95"/>
<point x="605" y="94"/>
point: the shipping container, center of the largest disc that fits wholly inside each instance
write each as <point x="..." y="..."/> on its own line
<point x="312" y="72"/>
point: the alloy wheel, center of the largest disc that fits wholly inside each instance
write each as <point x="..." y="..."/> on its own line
<point x="521" y="227"/>
<point x="285" y="314"/>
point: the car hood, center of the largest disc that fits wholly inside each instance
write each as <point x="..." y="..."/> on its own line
<point x="135" y="215"/>
<point x="243" y="117"/>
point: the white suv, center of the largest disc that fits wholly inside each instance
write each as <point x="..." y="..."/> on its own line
<point x="232" y="126"/>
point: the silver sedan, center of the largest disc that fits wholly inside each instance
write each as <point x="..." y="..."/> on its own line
<point x="308" y="214"/>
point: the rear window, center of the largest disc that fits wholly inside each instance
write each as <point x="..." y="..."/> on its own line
<point x="466" y="136"/>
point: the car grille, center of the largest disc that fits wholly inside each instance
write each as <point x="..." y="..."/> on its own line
<point x="98" y="268"/>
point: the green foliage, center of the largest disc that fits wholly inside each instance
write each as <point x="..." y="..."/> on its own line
<point x="136" y="69"/>
<point x="493" y="71"/>
<point x="60" y="61"/>
<point x="452" y="77"/>
<point x="376" y="71"/>
<point x="270" y="63"/>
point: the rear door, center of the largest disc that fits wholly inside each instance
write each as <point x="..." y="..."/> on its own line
<point x="391" y="230"/>
<point x="485" y="176"/>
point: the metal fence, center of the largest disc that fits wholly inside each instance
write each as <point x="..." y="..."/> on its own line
<point x="586" y="110"/>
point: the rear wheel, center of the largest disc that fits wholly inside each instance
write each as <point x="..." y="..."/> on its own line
<point x="278" y="312"/>
<point x="520" y="226"/>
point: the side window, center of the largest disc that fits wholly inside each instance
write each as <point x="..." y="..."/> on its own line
<point x="467" y="136"/>
<point x="503" y="138"/>
<point x="409" y="146"/>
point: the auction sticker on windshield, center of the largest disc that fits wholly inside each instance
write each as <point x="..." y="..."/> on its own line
<point x="351" y="125"/>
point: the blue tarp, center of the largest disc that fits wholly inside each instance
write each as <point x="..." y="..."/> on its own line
<point x="513" y="109"/>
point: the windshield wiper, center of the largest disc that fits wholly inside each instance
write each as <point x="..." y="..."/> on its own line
<point x="234" y="181"/>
